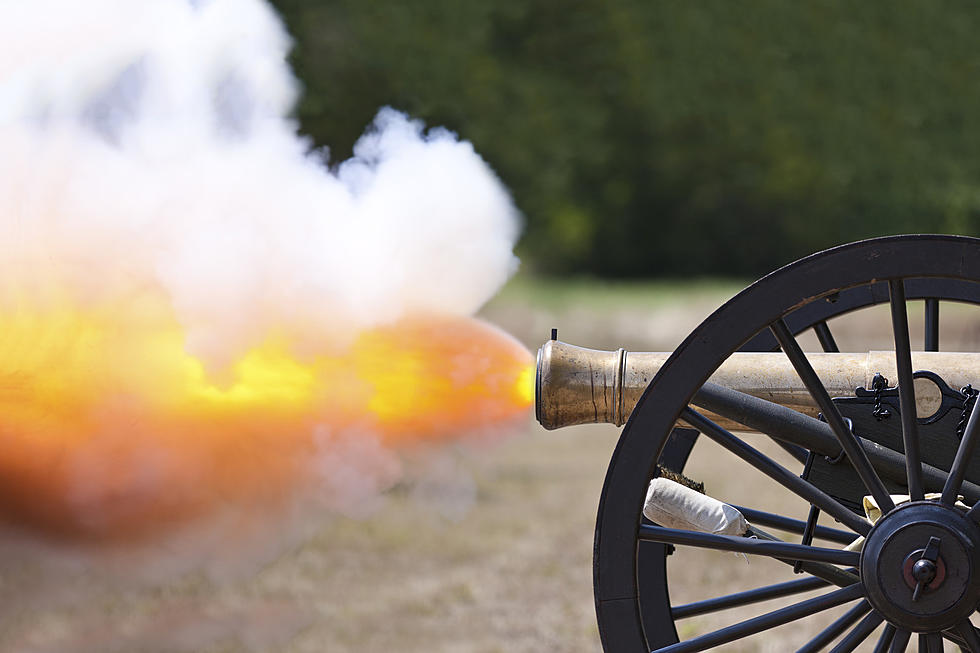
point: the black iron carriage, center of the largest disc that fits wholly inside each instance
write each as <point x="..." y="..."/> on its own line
<point x="909" y="570"/>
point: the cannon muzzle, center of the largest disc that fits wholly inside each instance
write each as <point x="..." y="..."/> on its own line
<point x="575" y="385"/>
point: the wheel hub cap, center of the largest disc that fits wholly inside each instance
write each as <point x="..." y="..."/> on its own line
<point x="920" y="568"/>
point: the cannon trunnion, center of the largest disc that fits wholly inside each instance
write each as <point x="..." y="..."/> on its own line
<point x="878" y="449"/>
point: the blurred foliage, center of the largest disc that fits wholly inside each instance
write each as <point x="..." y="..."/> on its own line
<point x="643" y="138"/>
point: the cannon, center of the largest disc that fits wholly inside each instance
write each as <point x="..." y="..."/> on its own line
<point x="877" y="450"/>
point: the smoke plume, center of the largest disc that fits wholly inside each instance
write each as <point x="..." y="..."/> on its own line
<point x="197" y="307"/>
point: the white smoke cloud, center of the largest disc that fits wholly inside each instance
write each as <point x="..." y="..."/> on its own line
<point x="159" y="132"/>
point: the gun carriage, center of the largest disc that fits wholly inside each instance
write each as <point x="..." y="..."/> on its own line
<point x="881" y="445"/>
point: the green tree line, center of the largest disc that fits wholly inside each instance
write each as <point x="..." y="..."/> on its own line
<point x="673" y="138"/>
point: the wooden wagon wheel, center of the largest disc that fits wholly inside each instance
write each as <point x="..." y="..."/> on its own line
<point x="632" y="596"/>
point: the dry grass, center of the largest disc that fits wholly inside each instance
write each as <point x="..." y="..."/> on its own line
<point x="511" y="573"/>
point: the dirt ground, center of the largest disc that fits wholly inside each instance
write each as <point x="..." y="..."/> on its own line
<point x="495" y="557"/>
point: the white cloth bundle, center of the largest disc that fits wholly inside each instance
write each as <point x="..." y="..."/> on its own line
<point x="673" y="505"/>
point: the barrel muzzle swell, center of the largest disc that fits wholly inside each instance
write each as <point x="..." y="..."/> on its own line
<point x="576" y="385"/>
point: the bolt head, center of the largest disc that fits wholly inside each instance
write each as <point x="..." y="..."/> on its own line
<point x="924" y="571"/>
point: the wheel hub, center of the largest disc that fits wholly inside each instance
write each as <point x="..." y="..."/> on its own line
<point x="920" y="568"/>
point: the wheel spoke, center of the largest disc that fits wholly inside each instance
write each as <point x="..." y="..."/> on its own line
<point x="885" y="641"/>
<point x="766" y="621"/>
<point x="906" y="388"/>
<point x="953" y="635"/>
<point x="855" y="452"/>
<point x="900" y="642"/>
<point x="737" y="599"/>
<point x="932" y="325"/>
<point x="783" y="550"/>
<point x="964" y="454"/>
<point x="830" y="573"/>
<point x="968" y="632"/>
<point x="859" y="633"/>
<point x="930" y="643"/>
<point x="831" y="632"/>
<point x="794" y="525"/>
<point x="777" y="472"/>
<point x="825" y="337"/>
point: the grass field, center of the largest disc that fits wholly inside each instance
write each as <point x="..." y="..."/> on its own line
<point x="493" y="555"/>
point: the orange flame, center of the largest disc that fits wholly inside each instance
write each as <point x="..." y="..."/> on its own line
<point x="109" y="430"/>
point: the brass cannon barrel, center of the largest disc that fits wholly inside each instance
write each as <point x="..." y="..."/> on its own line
<point x="575" y="385"/>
